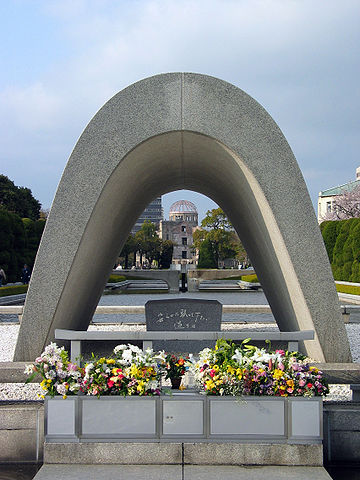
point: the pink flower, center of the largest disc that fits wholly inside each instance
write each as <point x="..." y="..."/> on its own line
<point x="301" y="383"/>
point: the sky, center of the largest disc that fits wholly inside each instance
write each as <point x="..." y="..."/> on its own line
<point x="61" y="60"/>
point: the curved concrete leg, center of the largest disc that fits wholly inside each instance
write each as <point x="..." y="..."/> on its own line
<point x="165" y="133"/>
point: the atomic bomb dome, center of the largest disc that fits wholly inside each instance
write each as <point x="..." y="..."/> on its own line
<point x="183" y="210"/>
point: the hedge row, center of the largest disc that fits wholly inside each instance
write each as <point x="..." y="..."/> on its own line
<point x="13" y="290"/>
<point x="352" y="289"/>
<point x="342" y="242"/>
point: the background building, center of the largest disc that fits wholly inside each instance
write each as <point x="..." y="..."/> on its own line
<point x="327" y="198"/>
<point x="153" y="212"/>
<point x="183" y="220"/>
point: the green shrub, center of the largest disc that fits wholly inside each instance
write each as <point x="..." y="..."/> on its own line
<point x="351" y="289"/>
<point x="250" y="278"/>
<point x="116" y="278"/>
<point x="13" y="290"/>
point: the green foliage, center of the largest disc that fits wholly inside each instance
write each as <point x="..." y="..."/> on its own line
<point x="250" y="278"/>
<point x="351" y="289"/>
<point x="206" y="255"/>
<point x="116" y="278"/>
<point x="217" y="240"/>
<point x="167" y="248"/>
<point x="18" y="200"/>
<point x="19" y="242"/>
<point x="13" y="290"/>
<point x="329" y="232"/>
<point x="342" y="242"/>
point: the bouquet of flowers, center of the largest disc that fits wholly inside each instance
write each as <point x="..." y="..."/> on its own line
<point x="174" y="366"/>
<point x="60" y="376"/>
<point x="230" y="369"/>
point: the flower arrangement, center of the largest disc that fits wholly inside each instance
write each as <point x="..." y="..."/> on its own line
<point x="230" y="369"/>
<point x="174" y="366"/>
<point x="60" y="376"/>
<point x="130" y="372"/>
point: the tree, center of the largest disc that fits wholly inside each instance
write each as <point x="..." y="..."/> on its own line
<point x="127" y="249"/>
<point x="216" y="240"/>
<point x="167" y="248"/>
<point x="148" y="244"/>
<point x="18" y="200"/>
<point x="346" y="205"/>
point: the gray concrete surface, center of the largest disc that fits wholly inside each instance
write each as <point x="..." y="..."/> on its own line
<point x="21" y="432"/>
<point x="194" y="472"/>
<point x="125" y="453"/>
<point x="110" y="472"/>
<point x="252" y="454"/>
<point x="169" y="132"/>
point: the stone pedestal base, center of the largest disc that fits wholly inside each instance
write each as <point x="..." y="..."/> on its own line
<point x="211" y="453"/>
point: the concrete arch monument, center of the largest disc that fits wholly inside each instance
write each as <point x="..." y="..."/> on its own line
<point x="168" y="132"/>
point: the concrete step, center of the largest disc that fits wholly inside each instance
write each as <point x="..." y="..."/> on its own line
<point x="178" y="472"/>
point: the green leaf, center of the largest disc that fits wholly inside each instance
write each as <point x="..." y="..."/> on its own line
<point x="31" y="378"/>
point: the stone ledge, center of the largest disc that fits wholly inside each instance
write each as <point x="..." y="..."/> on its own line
<point x="126" y="453"/>
<point x="13" y="372"/>
<point x="340" y="373"/>
<point x="252" y="454"/>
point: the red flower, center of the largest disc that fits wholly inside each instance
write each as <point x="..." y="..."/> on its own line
<point x="309" y="385"/>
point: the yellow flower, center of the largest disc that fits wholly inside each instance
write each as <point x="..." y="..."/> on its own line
<point x="210" y="385"/>
<point x="277" y="374"/>
<point x="140" y="387"/>
<point x="290" y="383"/>
<point x="182" y="387"/>
<point x="102" y="360"/>
<point x="216" y="368"/>
<point x="239" y="373"/>
<point x="64" y="397"/>
<point x="110" y="361"/>
<point x="135" y="371"/>
<point x="230" y="369"/>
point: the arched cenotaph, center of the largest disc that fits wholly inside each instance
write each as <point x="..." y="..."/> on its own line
<point x="182" y="131"/>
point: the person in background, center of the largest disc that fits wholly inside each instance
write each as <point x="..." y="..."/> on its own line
<point x="2" y="276"/>
<point x="25" y="274"/>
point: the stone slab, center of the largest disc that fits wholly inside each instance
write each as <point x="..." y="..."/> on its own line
<point x="252" y="454"/>
<point x="196" y="472"/>
<point x="345" y="447"/>
<point x="183" y="315"/>
<point x="109" y="472"/>
<point x="125" y="453"/>
<point x="21" y="431"/>
<point x="18" y="446"/>
<point x="13" y="372"/>
<point x="340" y="373"/>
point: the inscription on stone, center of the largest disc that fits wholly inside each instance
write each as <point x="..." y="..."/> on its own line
<point x="182" y="315"/>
